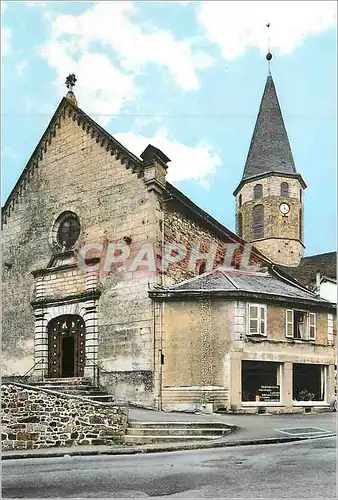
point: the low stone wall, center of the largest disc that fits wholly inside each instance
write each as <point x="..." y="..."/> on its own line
<point x="207" y="399"/>
<point x="35" y="418"/>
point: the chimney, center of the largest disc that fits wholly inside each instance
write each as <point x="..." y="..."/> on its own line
<point x="317" y="281"/>
<point x="155" y="168"/>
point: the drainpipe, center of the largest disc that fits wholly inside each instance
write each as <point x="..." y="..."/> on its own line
<point x="161" y="318"/>
<point x="161" y="311"/>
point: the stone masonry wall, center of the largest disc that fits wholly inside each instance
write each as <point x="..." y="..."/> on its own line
<point x="281" y="234"/>
<point x="77" y="173"/>
<point x="186" y="230"/>
<point x="196" y="342"/>
<point x="58" y="284"/>
<point x="37" y="419"/>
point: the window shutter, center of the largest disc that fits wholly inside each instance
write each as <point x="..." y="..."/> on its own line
<point x="257" y="319"/>
<point x="289" y="323"/>
<point x="312" y="326"/>
<point x="263" y="329"/>
<point x="253" y="320"/>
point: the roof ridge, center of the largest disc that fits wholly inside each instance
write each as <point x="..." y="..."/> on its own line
<point x="195" y="278"/>
<point x="229" y="279"/>
<point x="105" y="138"/>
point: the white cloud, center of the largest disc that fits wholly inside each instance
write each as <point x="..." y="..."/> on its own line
<point x="102" y="89"/>
<point x="6" y="40"/>
<point x="187" y="162"/>
<point x="236" y="26"/>
<point x="111" y="25"/>
<point x="143" y="121"/>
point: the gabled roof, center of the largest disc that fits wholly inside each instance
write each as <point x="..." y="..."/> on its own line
<point x="270" y="150"/>
<point x="305" y="273"/>
<point x="231" y="283"/>
<point x="67" y="107"/>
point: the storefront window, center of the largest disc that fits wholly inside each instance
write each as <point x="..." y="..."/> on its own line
<point x="260" y="381"/>
<point x="308" y="382"/>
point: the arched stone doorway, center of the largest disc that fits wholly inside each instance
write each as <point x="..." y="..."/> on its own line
<point x="66" y="346"/>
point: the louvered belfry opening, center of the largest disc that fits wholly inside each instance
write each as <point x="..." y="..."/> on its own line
<point x="66" y="346"/>
<point x="258" y="222"/>
<point x="258" y="191"/>
<point x="284" y="190"/>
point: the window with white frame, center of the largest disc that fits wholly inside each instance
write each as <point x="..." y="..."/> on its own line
<point x="309" y="382"/>
<point x="257" y="319"/>
<point x="300" y="325"/>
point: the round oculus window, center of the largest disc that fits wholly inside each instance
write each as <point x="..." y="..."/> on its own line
<point x="68" y="231"/>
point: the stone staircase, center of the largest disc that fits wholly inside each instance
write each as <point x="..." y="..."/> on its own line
<point x="77" y="386"/>
<point x="166" y="432"/>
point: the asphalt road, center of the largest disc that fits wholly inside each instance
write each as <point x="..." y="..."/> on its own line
<point x="304" y="469"/>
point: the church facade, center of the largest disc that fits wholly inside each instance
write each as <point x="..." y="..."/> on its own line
<point x="96" y="244"/>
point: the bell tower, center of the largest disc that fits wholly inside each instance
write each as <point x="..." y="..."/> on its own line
<point x="269" y="197"/>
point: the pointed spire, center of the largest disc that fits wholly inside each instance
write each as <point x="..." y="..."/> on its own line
<point x="270" y="149"/>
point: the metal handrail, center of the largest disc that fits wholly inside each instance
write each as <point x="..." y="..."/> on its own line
<point x="96" y="371"/>
<point x="32" y="368"/>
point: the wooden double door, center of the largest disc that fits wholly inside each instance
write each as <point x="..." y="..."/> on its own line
<point x="66" y="347"/>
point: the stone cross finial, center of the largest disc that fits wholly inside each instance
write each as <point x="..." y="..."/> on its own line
<point x="70" y="82"/>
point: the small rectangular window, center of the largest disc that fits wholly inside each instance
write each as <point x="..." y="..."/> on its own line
<point x="257" y="320"/>
<point x="300" y="325"/>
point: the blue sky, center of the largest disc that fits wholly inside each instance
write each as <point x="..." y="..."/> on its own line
<point x="187" y="77"/>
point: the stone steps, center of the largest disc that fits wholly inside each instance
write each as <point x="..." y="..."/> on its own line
<point x="164" y="432"/>
<point x="171" y="431"/>
<point x="78" y="387"/>
<point x="181" y="425"/>
<point x="165" y="439"/>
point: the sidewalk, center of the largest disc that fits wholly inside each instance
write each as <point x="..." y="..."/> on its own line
<point x="251" y="430"/>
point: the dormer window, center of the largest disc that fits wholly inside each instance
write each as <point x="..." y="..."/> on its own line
<point x="258" y="191"/>
<point x="284" y="190"/>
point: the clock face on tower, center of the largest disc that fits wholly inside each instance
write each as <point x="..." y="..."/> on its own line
<point x="284" y="208"/>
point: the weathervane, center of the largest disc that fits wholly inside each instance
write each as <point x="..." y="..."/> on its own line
<point x="268" y="55"/>
<point x="70" y="82"/>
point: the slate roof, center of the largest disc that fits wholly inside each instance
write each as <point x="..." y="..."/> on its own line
<point x="231" y="282"/>
<point x="270" y="149"/>
<point x="305" y="273"/>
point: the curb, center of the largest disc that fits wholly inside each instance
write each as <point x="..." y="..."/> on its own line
<point x="164" y="448"/>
